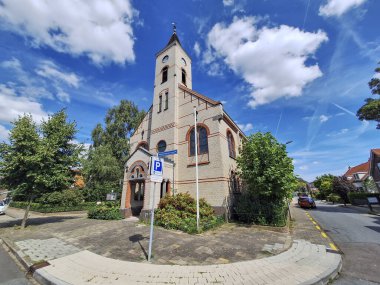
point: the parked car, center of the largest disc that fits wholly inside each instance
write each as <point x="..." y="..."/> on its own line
<point x="306" y="202"/>
<point x="2" y="208"/>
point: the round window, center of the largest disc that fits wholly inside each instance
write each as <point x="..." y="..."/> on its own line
<point x="161" y="146"/>
<point x="165" y="59"/>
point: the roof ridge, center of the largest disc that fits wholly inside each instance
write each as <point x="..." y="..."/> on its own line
<point x="203" y="97"/>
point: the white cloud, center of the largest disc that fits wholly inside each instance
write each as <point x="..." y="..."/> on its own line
<point x="246" y="127"/>
<point x="63" y="96"/>
<point x="271" y="60"/>
<point x="304" y="167"/>
<point x="324" y="118"/>
<point x="197" y="49"/>
<point x="338" y="7"/>
<point x="49" y="70"/>
<point x="228" y="2"/>
<point x="338" y="133"/>
<point x="101" y="30"/>
<point x="3" y="133"/>
<point x="12" y="106"/>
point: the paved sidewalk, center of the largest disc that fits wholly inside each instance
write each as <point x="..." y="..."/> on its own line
<point x="83" y="251"/>
<point x="128" y="240"/>
<point x="303" y="263"/>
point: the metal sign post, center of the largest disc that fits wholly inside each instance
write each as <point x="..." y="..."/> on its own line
<point x="196" y="163"/>
<point x="156" y="171"/>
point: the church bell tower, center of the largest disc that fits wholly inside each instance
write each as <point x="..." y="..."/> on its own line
<point x="173" y="67"/>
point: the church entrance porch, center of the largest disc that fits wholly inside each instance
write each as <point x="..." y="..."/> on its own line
<point x="137" y="196"/>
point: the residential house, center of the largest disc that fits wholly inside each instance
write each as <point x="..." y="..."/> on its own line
<point x="357" y="175"/>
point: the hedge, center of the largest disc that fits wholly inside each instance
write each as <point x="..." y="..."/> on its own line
<point x="360" y="198"/>
<point x="44" y="208"/>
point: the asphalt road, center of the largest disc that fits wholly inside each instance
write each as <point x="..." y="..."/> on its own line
<point x="10" y="273"/>
<point x="357" y="234"/>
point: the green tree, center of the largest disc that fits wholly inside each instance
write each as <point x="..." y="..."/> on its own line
<point x="370" y="185"/>
<point x="370" y="111"/>
<point x="342" y="187"/>
<point x="120" y="123"/>
<point x="59" y="152"/>
<point x="324" y="185"/>
<point x="103" y="168"/>
<point x="102" y="173"/>
<point x="36" y="162"/>
<point x="20" y="160"/>
<point x="266" y="168"/>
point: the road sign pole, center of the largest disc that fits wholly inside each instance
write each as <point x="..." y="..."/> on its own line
<point x="151" y="224"/>
<point x="196" y="162"/>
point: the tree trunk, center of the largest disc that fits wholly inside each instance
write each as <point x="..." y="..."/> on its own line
<point x="23" y="223"/>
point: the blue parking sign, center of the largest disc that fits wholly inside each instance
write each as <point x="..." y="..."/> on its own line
<point x="156" y="166"/>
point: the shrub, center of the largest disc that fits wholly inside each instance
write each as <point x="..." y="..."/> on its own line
<point x="261" y="210"/>
<point x="333" y="198"/>
<point x="105" y="211"/>
<point x="69" y="198"/>
<point x="179" y="213"/>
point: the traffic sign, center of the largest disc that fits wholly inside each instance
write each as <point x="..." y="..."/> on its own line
<point x="169" y="152"/>
<point x="156" y="166"/>
<point x="156" y="178"/>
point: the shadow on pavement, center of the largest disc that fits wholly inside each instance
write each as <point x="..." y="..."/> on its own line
<point x="137" y="238"/>
<point x="36" y="221"/>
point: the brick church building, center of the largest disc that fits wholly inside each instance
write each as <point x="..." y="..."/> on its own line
<point x="169" y="125"/>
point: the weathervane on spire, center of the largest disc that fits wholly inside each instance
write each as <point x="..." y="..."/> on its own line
<point x="174" y="27"/>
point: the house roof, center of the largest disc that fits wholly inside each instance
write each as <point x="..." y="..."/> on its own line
<point x="212" y="102"/>
<point x="363" y="168"/>
<point x="376" y="151"/>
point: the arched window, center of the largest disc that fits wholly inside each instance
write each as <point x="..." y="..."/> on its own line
<point x="202" y="141"/>
<point x="183" y="76"/>
<point x="164" y="74"/>
<point x="161" y="146"/>
<point x="231" y="145"/>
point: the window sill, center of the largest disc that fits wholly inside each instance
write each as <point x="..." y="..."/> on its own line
<point x="199" y="163"/>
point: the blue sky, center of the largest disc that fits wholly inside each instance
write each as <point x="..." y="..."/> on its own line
<point x="296" y="68"/>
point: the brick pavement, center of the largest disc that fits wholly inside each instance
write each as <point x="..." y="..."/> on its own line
<point x="303" y="263"/>
<point x="128" y="241"/>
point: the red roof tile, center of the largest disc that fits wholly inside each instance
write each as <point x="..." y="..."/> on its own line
<point x="364" y="167"/>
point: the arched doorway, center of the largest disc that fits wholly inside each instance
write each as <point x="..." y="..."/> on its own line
<point x="137" y="175"/>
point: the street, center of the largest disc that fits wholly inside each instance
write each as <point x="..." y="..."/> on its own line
<point x="357" y="234"/>
<point x="10" y="273"/>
